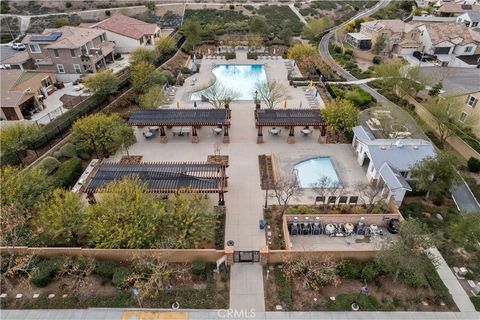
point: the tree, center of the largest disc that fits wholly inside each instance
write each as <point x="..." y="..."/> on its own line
<point x="218" y="95"/>
<point x="150" y="5"/>
<point x="165" y="45"/>
<point x="126" y="216"/>
<point x="401" y="77"/>
<point x="371" y="194"/>
<point x="143" y="54"/>
<point x="189" y="218"/>
<point x="102" y="83"/>
<point x="15" y="138"/>
<point x="270" y="92"/>
<point x="144" y="76"/>
<point x="300" y="51"/>
<point x="60" y="218"/>
<point x="192" y="31"/>
<point x="313" y="30"/>
<point x="284" y="189"/>
<point x="286" y="35"/>
<point x="406" y="255"/>
<point x="380" y="44"/>
<point x="153" y="98"/>
<point x="258" y="25"/>
<point x="321" y="189"/>
<point x="446" y="112"/>
<point x="435" y="175"/>
<point x="436" y="89"/>
<point x="466" y="231"/>
<point x="315" y="274"/>
<point x="341" y="115"/>
<point x="102" y="133"/>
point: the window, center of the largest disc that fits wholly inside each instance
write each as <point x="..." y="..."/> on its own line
<point x="463" y="116"/>
<point x="35" y="48"/>
<point x="55" y="53"/>
<point x="413" y="36"/>
<point x="468" y="49"/>
<point x="472" y="101"/>
<point x="46" y="82"/>
<point x="73" y="53"/>
<point x="77" y="68"/>
<point x="141" y="40"/>
<point x="474" y="24"/>
<point x="60" y="68"/>
<point x="84" y="49"/>
<point x="102" y="38"/>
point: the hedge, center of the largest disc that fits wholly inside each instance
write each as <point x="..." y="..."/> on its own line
<point x="44" y="273"/>
<point x="68" y="173"/>
<point x="49" y="164"/>
<point x="105" y="269"/>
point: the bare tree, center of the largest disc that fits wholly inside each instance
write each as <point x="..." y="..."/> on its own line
<point x="370" y="194"/>
<point x="321" y="189"/>
<point x="218" y="95"/>
<point x="270" y="92"/>
<point x="77" y="268"/>
<point x="285" y="189"/>
<point x="315" y="274"/>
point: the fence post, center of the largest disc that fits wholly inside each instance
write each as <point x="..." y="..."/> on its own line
<point x="48" y="140"/>
<point x="60" y="132"/>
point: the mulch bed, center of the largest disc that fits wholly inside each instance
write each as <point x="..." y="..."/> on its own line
<point x="131" y="159"/>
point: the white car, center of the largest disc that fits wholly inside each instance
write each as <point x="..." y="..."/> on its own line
<point x="18" y="46"/>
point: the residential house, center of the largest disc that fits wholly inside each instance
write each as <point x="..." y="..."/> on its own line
<point x="455" y="8"/>
<point x="128" y="33"/>
<point x="359" y="40"/>
<point x="71" y="52"/>
<point x="19" y="60"/>
<point x="470" y="19"/>
<point x="400" y="37"/>
<point x="22" y="91"/>
<point x="389" y="161"/>
<point x="471" y="109"/>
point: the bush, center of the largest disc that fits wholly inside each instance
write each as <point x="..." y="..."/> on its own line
<point x="49" y="164"/>
<point x="57" y="155"/>
<point x="359" y="97"/>
<point x="351" y="269"/>
<point x="231" y="7"/>
<point x="370" y="272"/>
<point x="120" y="276"/>
<point x="473" y="164"/>
<point x="68" y="173"/>
<point x="105" y="269"/>
<point x="224" y="275"/>
<point x="230" y="55"/>
<point x="68" y="150"/>
<point x="284" y="288"/>
<point x="44" y="273"/>
<point x="108" y="13"/>
<point x="414" y="281"/>
<point x="198" y="267"/>
<point x="252" y="55"/>
<point x="476" y="302"/>
<point x="377" y="60"/>
<point x="167" y="76"/>
<point x="249" y="7"/>
<point x="68" y="4"/>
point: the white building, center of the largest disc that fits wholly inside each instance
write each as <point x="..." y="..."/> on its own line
<point x="389" y="161"/>
<point x="470" y="19"/>
<point x="128" y="33"/>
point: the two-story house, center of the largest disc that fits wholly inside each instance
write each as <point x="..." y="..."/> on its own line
<point x="470" y="19"/>
<point x="70" y="51"/>
<point x="128" y="33"/>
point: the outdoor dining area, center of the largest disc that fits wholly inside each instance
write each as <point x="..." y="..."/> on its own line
<point x="276" y="119"/>
<point x="180" y="123"/>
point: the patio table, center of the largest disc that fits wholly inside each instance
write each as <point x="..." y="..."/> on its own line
<point x="154" y="128"/>
<point x="306" y="131"/>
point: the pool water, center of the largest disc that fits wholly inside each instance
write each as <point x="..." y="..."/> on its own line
<point x="309" y="172"/>
<point x="239" y="78"/>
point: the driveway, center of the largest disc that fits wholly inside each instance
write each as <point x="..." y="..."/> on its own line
<point x="6" y="51"/>
<point x="454" y="80"/>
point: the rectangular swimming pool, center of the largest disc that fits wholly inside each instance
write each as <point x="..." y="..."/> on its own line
<point x="311" y="171"/>
<point x="240" y="78"/>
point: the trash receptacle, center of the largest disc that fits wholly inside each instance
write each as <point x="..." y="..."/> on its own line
<point x="261" y="224"/>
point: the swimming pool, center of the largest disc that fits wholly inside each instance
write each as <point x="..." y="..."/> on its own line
<point x="240" y="78"/>
<point x="311" y="171"/>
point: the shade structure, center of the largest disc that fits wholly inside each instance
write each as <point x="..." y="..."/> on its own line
<point x="183" y="117"/>
<point x="289" y="117"/>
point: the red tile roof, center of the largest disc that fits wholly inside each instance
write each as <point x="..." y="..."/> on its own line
<point x="126" y="26"/>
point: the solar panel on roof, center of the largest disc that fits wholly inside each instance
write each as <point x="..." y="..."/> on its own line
<point x="467" y="6"/>
<point x="49" y="37"/>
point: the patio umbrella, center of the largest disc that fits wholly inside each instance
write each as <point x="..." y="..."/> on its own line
<point x="178" y="104"/>
<point x="285" y="105"/>
<point x="274" y="51"/>
<point x="316" y="92"/>
<point x="300" y="104"/>
<point x="208" y="51"/>
<point x="311" y="84"/>
<point x="194" y="104"/>
<point x="194" y="59"/>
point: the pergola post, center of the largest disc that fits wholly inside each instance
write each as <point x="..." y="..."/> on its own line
<point x="163" y="136"/>
<point x="195" y="138"/>
<point x="226" y="137"/>
<point x="221" y="199"/>
<point x="291" y="135"/>
<point x="260" y="135"/>
<point x="323" y="134"/>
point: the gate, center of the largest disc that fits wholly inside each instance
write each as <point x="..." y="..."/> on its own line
<point x="246" y="256"/>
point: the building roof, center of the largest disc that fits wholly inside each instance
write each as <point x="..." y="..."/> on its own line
<point x="363" y="133"/>
<point x="475" y="33"/>
<point x="395" y="25"/>
<point x="458" y="8"/>
<point x="289" y="117"/>
<point x="67" y="37"/>
<point x="8" y="79"/>
<point x="180" y="117"/>
<point x="359" y="36"/>
<point x="399" y="154"/>
<point x="440" y="32"/>
<point x="393" y="179"/>
<point x="17" y="58"/>
<point x="126" y="26"/>
<point x="473" y="16"/>
<point x="167" y="177"/>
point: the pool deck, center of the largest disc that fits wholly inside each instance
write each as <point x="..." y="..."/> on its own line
<point x="275" y="70"/>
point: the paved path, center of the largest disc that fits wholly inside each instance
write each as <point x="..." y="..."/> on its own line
<point x="299" y="15"/>
<point x="464" y="199"/>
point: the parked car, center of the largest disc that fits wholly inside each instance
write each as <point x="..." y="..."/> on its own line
<point x="18" y="46"/>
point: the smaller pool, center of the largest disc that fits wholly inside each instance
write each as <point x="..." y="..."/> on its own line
<point x="311" y="171"/>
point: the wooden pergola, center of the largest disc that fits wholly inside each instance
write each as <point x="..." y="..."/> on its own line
<point x="194" y="118"/>
<point x="163" y="177"/>
<point x="289" y="118"/>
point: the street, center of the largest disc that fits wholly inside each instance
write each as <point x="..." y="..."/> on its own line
<point x="6" y="51"/>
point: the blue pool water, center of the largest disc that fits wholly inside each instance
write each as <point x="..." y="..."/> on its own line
<point x="312" y="170"/>
<point x="240" y="78"/>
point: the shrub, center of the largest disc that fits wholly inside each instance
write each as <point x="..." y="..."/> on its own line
<point x="231" y="7"/>
<point x="230" y="55"/>
<point x="108" y="13"/>
<point x="224" y="273"/>
<point x="68" y="150"/>
<point x="57" y="155"/>
<point x="284" y="288"/>
<point x="68" y="4"/>
<point x="68" y="172"/>
<point x="377" y="60"/>
<point x="351" y="269"/>
<point x="167" y="76"/>
<point x="249" y="7"/>
<point x="105" y="269"/>
<point x="337" y="49"/>
<point x="49" y="164"/>
<point x="120" y="276"/>
<point x="198" y="267"/>
<point x="370" y="272"/>
<point x="414" y="280"/>
<point x="473" y="164"/>
<point x="358" y="210"/>
<point x="476" y="302"/>
<point x="252" y="55"/>
<point x="44" y="273"/>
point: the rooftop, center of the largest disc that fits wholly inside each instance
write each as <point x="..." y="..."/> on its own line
<point x="448" y="31"/>
<point x="458" y="8"/>
<point x="359" y="36"/>
<point x="292" y="117"/>
<point x="180" y="117"/>
<point x="395" y="25"/>
<point x="66" y="37"/>
<point x="126" y="26"/>
<point x="8" y="79"/>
